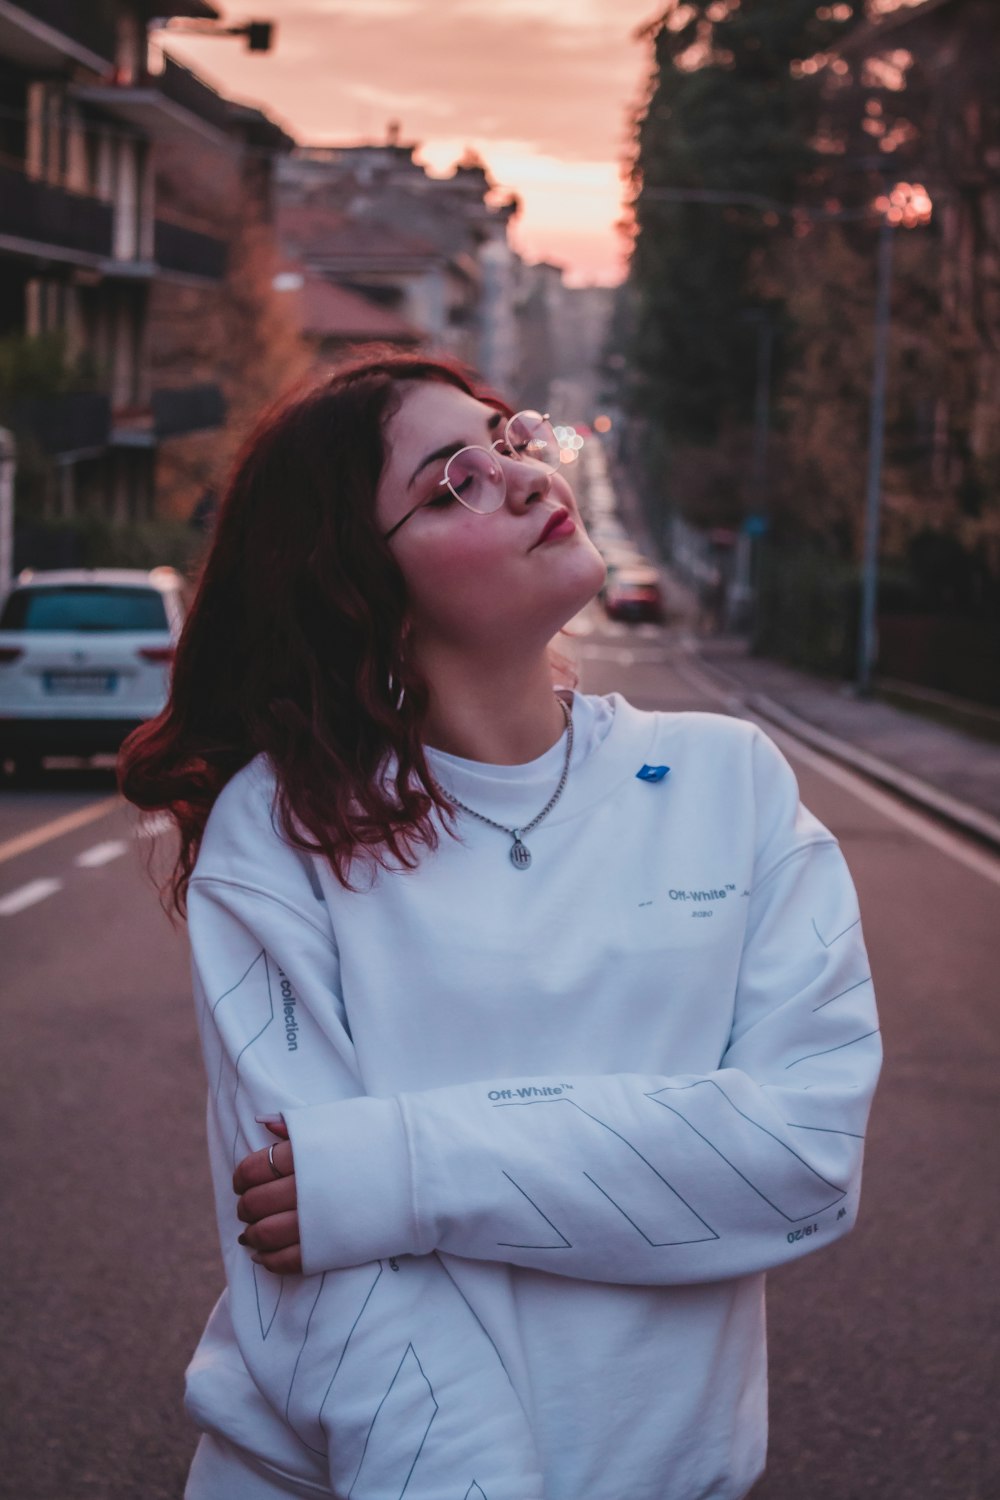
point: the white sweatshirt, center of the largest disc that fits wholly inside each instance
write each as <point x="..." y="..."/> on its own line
<point x="550" y="1126"/>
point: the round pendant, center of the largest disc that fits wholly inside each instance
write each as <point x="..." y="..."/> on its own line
<point x="520" y="854"/>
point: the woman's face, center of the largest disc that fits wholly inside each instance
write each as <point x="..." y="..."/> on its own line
<point x="479" y="580"/>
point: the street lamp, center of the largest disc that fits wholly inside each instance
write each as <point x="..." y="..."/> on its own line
<point x="904" y="206"/>
<point x="259" y="35"/>
<point x="8" y="459"/>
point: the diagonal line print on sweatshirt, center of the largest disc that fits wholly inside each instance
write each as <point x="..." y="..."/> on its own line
<point x="237" y="1151"/>
<point x="347" y="1341"/>
<point x="842" y="933"/>
<point x="298" y="1361"/>
<point x="213" y="1006"/>
<point x="656" y="1244"/>
<point x="320" y="1358"/>
<point x="810" y="1184"/>
<point x="389" y="1457"/>
<point x="511" y="1245"/>
<point x="681" y="1223"/>
<point x="267" y="1296"/>
<point x="485" y="1331"/>
<point x="839" y="1048"/>
<point x="841" y="993"/>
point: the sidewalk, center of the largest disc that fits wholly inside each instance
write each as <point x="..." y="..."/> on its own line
<point x="949" y="773"/>
<point x="954" y="775"/>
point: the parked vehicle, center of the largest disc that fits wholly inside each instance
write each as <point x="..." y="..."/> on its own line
<point x="85" y="656"/>
<point x="634" y="594"/>
<point x="619" y="556"/>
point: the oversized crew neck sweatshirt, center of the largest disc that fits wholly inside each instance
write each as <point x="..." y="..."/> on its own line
<point x="550" y="1126"/>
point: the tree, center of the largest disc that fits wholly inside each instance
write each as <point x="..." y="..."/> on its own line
<point x="729" y="115"/>
<point x="242" y="334"/>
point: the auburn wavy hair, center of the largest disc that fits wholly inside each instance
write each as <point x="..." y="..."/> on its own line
<point x="293" y="644"/>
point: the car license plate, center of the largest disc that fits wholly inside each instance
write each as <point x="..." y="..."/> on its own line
<point x="80" y="682"/>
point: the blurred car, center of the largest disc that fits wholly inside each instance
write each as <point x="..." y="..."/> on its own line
<point x="621" y="558"/>
<point x="634" y="594"/>
<point x="85" y="656"/>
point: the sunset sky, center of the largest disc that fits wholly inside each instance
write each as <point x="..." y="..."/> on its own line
<point x="542" y="89"/>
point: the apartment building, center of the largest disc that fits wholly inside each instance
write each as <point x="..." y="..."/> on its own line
<point x="431" y="251"/>
<point x="91" y="116"/>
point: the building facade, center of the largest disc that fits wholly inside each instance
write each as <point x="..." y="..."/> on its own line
<point x="432" y="251"/>
<point x="98" y="255"/>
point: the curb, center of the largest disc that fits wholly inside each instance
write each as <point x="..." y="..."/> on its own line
<point x="960" y="815"/>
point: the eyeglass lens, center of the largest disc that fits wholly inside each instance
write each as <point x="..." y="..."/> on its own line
<point x="476" y="478"/>
<point x="530" y="435"/>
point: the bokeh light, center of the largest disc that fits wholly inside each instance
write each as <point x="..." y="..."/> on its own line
<point x="908" y="204"/>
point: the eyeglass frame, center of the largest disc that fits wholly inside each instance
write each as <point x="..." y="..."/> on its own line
<point x="478" y="448"/>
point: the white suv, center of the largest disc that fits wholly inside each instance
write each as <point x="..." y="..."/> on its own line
<point x="85" y="656"/>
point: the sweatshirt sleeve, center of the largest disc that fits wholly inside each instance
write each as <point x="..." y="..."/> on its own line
<point x="647" y="1179"/>
<point x="379" y="1376"/>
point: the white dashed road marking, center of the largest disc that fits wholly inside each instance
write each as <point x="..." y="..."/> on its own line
<point x="27" y="895"/>
<point x="151" y="827"/>
<point x="33" y="891"/>
<point x="101" y="854"/>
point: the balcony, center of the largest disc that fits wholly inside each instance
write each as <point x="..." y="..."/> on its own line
<point x="44" y="34"/>
<point x="191" y="408"/>
<point x="50" y="222"/>
<point x="76" y="423"/>
<point x="187" y="91"/>
<point x="188" y="252"/>
<point x="171" y="106"/>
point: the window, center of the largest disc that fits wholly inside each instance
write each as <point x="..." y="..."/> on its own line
<point x="87" y="607"/>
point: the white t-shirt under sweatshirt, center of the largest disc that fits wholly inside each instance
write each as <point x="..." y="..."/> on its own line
<point x="550" y="1126"/>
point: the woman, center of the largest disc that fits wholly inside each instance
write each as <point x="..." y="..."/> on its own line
<point x="537" y="1028"/>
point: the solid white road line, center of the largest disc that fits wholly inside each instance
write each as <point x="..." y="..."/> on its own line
<point x="54" y="830"/>
<point x="625" y="656"/>
<point x="620" y="655"/>
<point x="924" y="827"/>
<point x="915" y="822"/>
<point x="101" y="854"/>
<point x="27" y="895"/>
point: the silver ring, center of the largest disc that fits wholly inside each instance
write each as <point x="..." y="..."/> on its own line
<point x="270" y="1159"/>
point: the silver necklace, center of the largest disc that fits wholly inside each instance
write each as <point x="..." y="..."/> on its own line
<point x="520" y="854"/>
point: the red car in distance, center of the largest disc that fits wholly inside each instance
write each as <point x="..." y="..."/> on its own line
<point x="634" y="594"/>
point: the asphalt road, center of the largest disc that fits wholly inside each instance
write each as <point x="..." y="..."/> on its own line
<point x="884" y="1348"/>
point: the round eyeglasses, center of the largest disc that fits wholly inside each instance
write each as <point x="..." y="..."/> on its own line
<point x="476" y="480"/>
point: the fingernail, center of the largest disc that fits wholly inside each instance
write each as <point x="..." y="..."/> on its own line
<point x="270" y="1119"/>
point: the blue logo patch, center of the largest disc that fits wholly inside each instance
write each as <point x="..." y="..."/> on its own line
<point x="652" y="773"/>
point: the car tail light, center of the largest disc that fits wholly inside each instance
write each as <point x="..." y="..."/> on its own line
<point x="9" y="654"/>
<point x="157" y="653"/>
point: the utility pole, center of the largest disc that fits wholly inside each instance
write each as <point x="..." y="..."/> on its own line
<point x="258" y="35"/>
<point x="8" y="462"/>
<point x="762" y="408"/>
<point x="749" y="550"/>
<point x="867" y="634"/>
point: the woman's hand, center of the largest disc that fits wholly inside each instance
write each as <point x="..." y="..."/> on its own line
<point x="268" y="1205"/>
